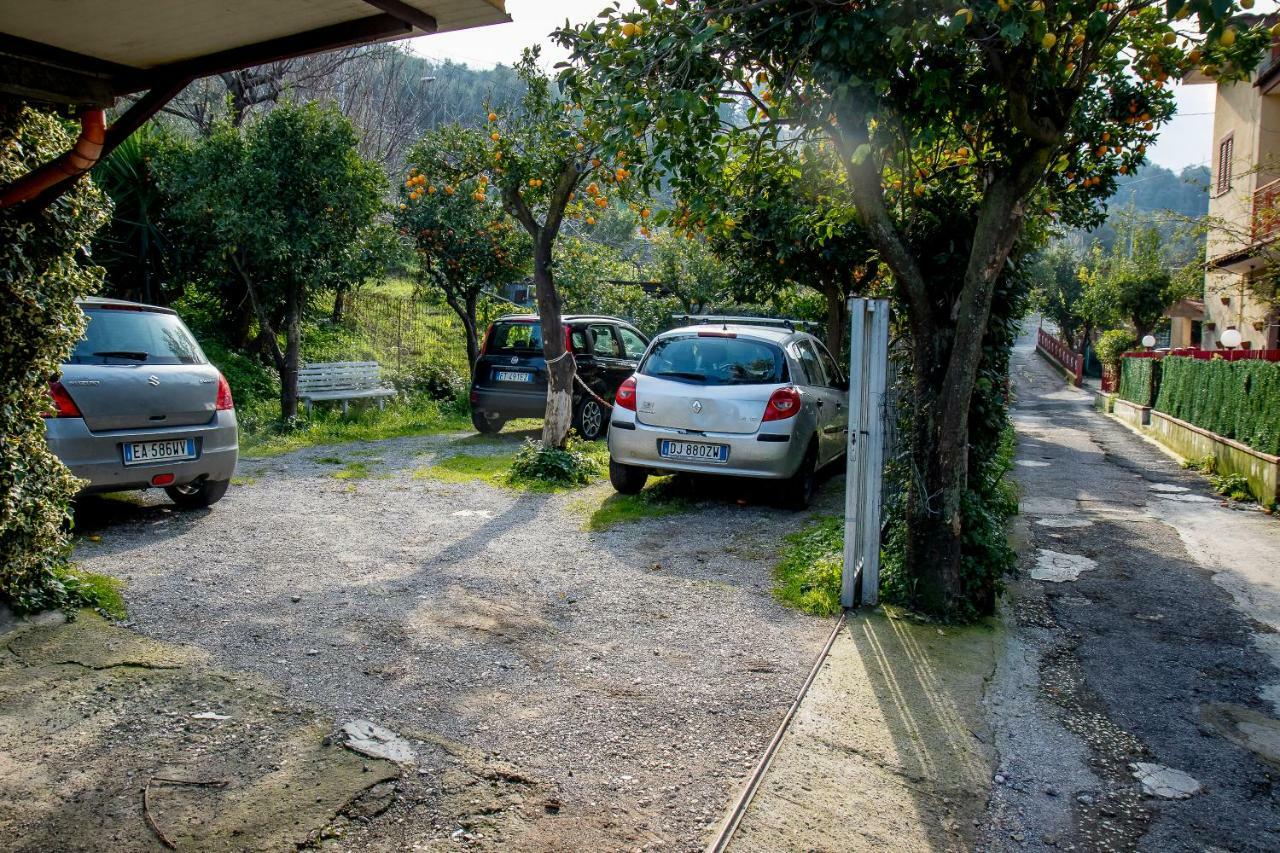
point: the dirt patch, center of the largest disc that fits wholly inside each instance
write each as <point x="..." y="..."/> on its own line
<point x="110" y="740"/>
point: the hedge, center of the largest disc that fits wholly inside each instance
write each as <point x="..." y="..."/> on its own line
<point x="1138" y="380"/>
<point x="1238" y="400"/>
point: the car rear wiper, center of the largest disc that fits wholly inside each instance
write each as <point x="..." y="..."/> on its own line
<point x="680" y="374"/>
<point x="113" y="353"/>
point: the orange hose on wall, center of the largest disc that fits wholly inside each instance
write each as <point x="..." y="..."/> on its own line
<point x="80" y="159"/>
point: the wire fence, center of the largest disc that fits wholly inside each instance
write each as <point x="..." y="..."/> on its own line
<point x="405" y="332"/>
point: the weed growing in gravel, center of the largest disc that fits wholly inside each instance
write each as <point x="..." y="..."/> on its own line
<point x="329" y="460"/>
<point x="101" y="592"/>
<point x="352" y="471"/>
<point x="243" y="480"/>
<point x="657" y="499"/>
<point x="808" y="578"/>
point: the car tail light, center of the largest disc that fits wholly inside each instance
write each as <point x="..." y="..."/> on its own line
<point x="785" y="403"/>
<point x="224" y="394"/>
<point x="488" y="339"/>
<point x="568" y="339"/>
<point x="626" y="396"/>
<point x="63" y="405"/>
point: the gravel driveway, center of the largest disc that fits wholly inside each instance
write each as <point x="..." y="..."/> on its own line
<point x="638" y="672"/>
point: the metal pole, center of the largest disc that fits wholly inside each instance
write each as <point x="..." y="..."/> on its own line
<point x="868" y="365"/>
<point x="853" y="453"/>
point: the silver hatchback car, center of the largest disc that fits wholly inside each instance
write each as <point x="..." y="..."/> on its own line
<point x="138" y="406"/>
<point x="734" y="399"/>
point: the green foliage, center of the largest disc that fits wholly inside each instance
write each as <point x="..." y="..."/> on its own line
<point x="1056" y="288"/>
<point x="1138" y="380"/>
<point x="576" y="464"/>
<point x="1233" y="486"/>
<point x="1238" y="400"/>
<point x="251" y="382"/>
<point x="493" y="468"/>
<point x="134" y="247"/>
<point x="44" y="269"/>
<point x="1207" y="464"/>
<point x="1114" y="343"/>
<point x="441" y="382"/>
<point x="808" y="577"/>
<point x="273" y="212"/>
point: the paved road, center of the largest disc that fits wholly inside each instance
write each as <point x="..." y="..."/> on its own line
<point x="1161" y="650"/>
<point x="638" y="672"/>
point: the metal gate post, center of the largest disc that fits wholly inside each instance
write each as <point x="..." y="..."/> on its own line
<point x="868" y="364"/>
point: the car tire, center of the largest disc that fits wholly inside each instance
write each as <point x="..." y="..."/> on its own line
<point x="591" y="420"/>
<point x="627" y="479"/>
<point x="485" y="424"/>
<point x="199" y="495"/>
<point x="799" y="488"/>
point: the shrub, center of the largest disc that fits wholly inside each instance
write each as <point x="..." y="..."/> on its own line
<point x="1113" y="344"/>
<point x="1138" y="380"/>
<point x="43" y="271"/>
<point x="1233" y="486"/>
<point x="1238" y="400"/>
<point x="251" y="381"/>
<point x="809" y="575"/>
<point x="438" y="381"/>
<point x="573" y="466"/>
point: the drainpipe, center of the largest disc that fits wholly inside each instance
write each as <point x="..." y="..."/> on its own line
<point x="80" y="159"/>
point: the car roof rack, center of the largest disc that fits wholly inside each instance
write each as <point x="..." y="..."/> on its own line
<point x="705" y="319"/>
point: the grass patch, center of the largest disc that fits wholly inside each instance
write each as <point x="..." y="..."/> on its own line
<point x="400" y="418"/>
<point x="330" y="460"/>
<point x="245" y="480"/>
<point x="101" y="592"/>
<point x="658" y="499"/>
<point x="352" y="471"/>
<point x="808" y="577"/>
<point x="491" y="468"/>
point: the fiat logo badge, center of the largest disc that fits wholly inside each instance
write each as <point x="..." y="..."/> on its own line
<point x="697" y="406"/>
<point x="153" y="380"/>
<point x="515" y="359"/>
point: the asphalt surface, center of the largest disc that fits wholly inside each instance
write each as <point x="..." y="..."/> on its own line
<point x="637" y="673"/>
<point x="1140" y="658"/>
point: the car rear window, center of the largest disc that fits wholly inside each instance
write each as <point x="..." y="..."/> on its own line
<point x="124" y="337"/>
<point x="526" y="337"/>
<point x="706" y="360"/>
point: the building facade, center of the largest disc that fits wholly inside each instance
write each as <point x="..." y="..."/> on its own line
<point x="1243" y="247"/>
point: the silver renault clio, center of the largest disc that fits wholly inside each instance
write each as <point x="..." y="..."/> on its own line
<point x="138" y="405"/>
<point x="733" y="398"/>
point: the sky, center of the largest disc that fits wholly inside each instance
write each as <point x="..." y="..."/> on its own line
<point x="1185" y="141"/>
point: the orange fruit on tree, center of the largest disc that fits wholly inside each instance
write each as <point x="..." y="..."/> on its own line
<point x="493" y="116"/>
<point x="602" y="202"/>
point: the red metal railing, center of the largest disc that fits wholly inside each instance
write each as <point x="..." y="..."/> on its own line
<point x="1266" y="216"/>
<point x="1070" y="360"/>
<point x="1110" y="379"/>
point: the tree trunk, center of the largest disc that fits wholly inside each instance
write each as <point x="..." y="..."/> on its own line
<point x="465" y="309"/>
<point x="339" y="303"/>
<point x="560" y="364"/>
<point x="837" y="312"/>
<point x="292" y="357"/>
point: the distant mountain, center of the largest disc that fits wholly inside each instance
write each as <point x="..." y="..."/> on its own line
<point x="1155" y="188"/>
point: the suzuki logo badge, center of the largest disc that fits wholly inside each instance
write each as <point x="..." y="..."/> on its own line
<point x="153" y="380"/>
<point x="697" y="406"/>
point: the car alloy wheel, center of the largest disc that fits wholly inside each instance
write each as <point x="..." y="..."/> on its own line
<point x="592" y="420"/>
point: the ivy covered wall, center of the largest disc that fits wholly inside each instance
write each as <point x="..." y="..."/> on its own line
<point x="44" y="268"/>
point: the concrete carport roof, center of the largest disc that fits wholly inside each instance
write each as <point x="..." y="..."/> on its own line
<point x="84" y="54"/>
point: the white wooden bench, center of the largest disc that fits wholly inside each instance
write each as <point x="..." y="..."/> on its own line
<point x="342" y="380"/>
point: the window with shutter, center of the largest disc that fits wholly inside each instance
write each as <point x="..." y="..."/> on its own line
<point x="1225" y="149"/>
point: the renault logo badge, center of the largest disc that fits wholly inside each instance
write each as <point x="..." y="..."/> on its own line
<point x="697" y="406"/>
<point x="153" y="380"/>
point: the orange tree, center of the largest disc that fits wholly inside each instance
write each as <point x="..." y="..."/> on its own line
<point x="463" y="239"/>
<point x="956" y="130"/>
<point x="544" y="161"/>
